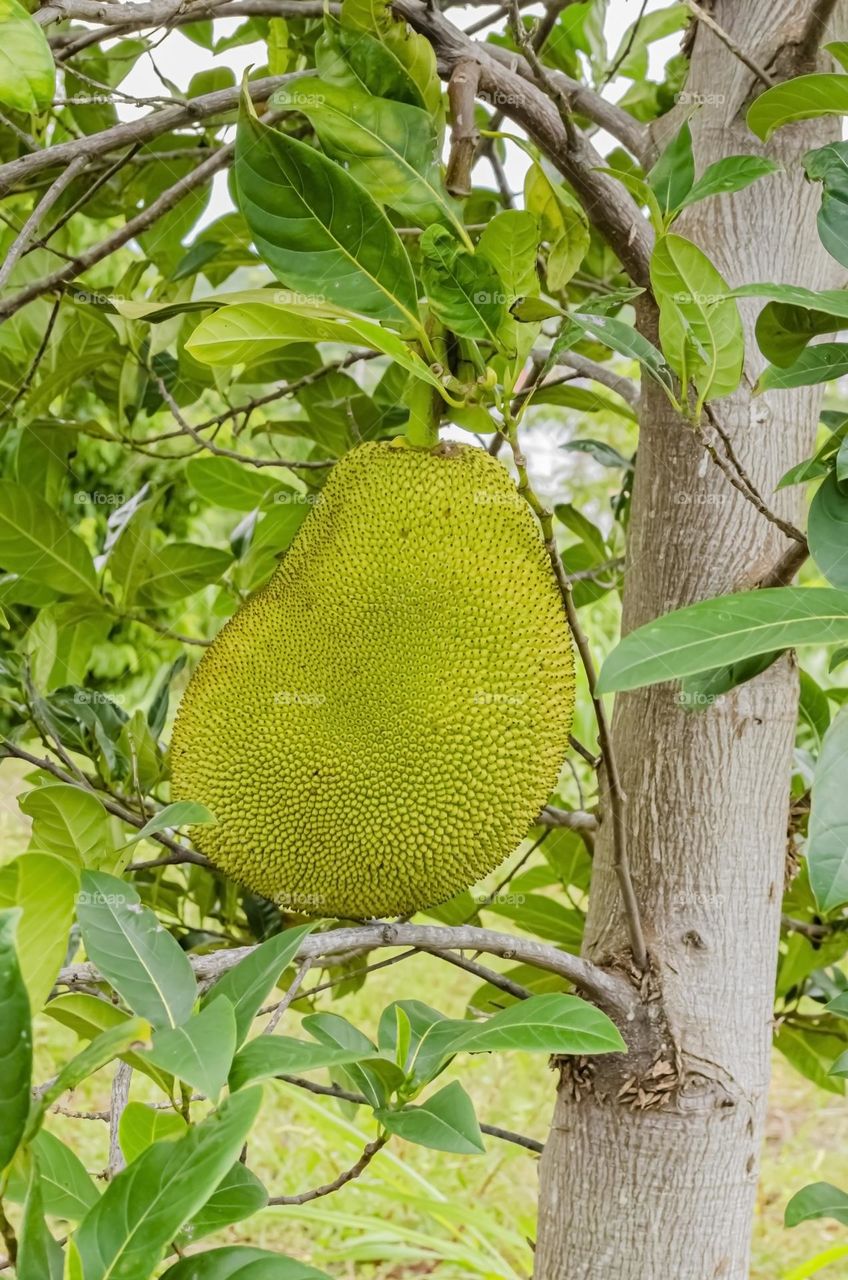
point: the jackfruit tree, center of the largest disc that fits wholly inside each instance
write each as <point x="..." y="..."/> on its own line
<point x="422" y="532"/>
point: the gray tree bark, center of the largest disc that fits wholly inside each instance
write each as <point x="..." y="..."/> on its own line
<point x="631" y="1190"/>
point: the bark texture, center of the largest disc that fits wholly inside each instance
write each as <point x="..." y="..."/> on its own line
<point x="639" y="1192"/>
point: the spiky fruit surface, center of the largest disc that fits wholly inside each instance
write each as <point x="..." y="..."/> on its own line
<point x="378" y="727"/>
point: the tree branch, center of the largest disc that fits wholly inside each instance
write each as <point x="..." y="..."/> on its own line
<point x="614" y="212"/>
<point x="344" y="1095"/>
<point x="348" y="1176"/>
<point x="465" y="136"/>
<point x="782" y="573"/>
<point x="28" y="230"/>
<point x="607" y="990"/>
<point x="137" y="131"/>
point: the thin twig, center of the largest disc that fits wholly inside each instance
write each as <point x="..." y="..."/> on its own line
<point x="120" y="1097"/>
<point x="344" y="1095"/>
<point x="45" y="204"/>
<point x="96" y="253"/>
<point x="729" y="43"/>
<point x="480" y="971"/>
<point x="328" y="1188"/>
<point x="782" y="573"/>
<point x="294" y="987"/>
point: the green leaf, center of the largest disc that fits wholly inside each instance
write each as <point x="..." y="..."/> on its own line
<point x="827" y="525"/>
<point x="445" y="1122"/>
<point x="822" y="362"/>
<point x="249" y="983"/>
<point x="103" y="1049"/>
<point x="238" y="1195"/>
<point x="783" y="331"/>
<point x="200" y="1052"/>
<point x="510" y="243"/>
<point x="179" y="569"/>
<point x="725" y="630"/>
<point x="182" y="813"/>
<point x="827" y="836"/>
<point x="811" y="1052"/>
<point x="373" y="1077"/>
<point x="37" y="543"/>
<point x="672" y="176"/>
<point x="464" y="289"/>
<point x="700" y="328"/>
<point x="317" y="229"/>
<point x="140" y="1126"/>
<point x="67" y="1190"/>
<point x="45" y="889"/>
<point x="231" y="484"/>
<point x="40" y="1256"/>
<point x="241" y="1262"/>
<point x="829" y="166"/>
<point x="818" y="1200"/>
<point x="27" y="71"/>
<point x="354" y="59"/>
<point x="730" y="174"/>
<point x="143" y="962"/>
<point x="625" y="340"/>
<point x="88" y="1015"/>
<point x="551" y="1023"/>
<point x="68" y="821"/>
<point x="143" y="1208"/>
<point x="15" y="1042"/>
<point x="252" y="331"/>
<point x="801" y="98"/>
<point x="391" y="148"/>
<point x="284" y="1055"/>
<point x="413" y="53"/>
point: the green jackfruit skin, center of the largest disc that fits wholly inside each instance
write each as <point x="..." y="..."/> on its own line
<point x="378" y="726"/>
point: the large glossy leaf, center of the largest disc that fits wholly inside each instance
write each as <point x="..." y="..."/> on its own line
<point x="732" y="173"/>
<point x="140" y="1126"/>
<point x="39" y="1255"/>
<point x="827" y="837"/>
<point x="179" y="569"/>
<point x="200" y="1052"/>
<point x="241" y="1262"/>
<point x="87" y="1016"/>
<point x="37" y="543"/>
<point x="390" y="147"/>
<point x="318" y="229"/>
<point x="725" y="630"/>
<point x="445" y="1122"/>
<point x="829" y="166"/>
<point x="67" y="1190"/>
<point x="818" y="1200"/>
<point x="700" y="327"/>
<point x="15" y="1043"/>
<point x="801" y="98"/>
<point x="551" y="1023"/>
<point x="144" y="963"/>
<point x="249" y="983"/>
<point x="68" y="821"/>
<point x="822" y="362"/>
<point x="238" y="1195"/>
<point x="672" y="176"/>
<point x="44" y="888"/>
<point x="827" y="530"/>
<point x="464" y="289"/>
<point x="144" y="1207"/>
<point x="412" y="52"/>
<point x="231" y="484"/>
<point x="354" y="59"/>
<point x="284" y="1055"/>
<point x="251" y="331"/>
<point x="27" y="71"/>
<point x="626" y="341"/>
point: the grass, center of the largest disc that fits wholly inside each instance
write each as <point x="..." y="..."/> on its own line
<point x="415" y="1212"/>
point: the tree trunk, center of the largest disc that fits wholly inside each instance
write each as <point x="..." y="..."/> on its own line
<point x="631" y="1189"/>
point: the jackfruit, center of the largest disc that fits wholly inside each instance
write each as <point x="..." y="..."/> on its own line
<point x="378" y="726"/>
